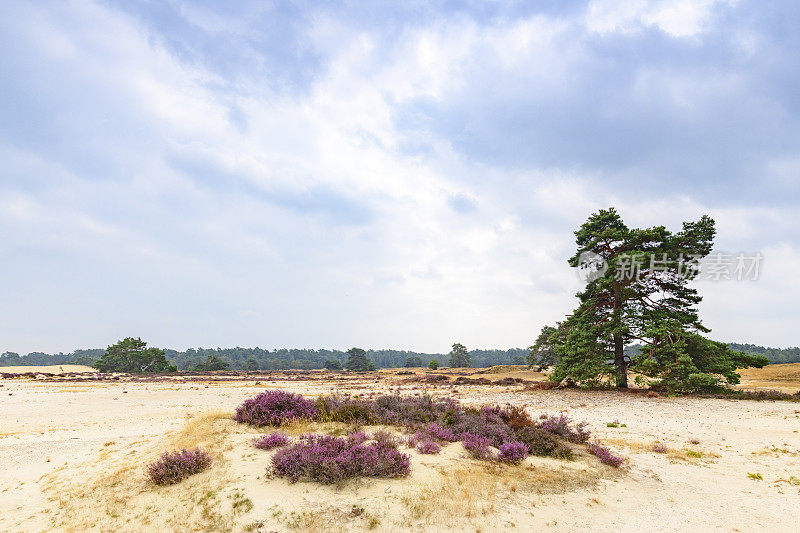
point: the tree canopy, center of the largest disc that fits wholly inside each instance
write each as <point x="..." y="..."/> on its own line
<point x="543" y="354"/>
<point x="358" y="361"/>
<point x="640" y="292"/>
<point x="132" y="355"/>
<point x="459" y="356"/>
<point x="414" y="361"/>
<point x="212" y="363"/>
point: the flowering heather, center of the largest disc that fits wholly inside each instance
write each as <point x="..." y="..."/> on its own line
<point x="357" y="437"/>
<point x="562" y="426"/>
<point x="271" y="441"/>
<point x="604" y="454"/>
<point x="659" y="447"/>
<point x="477" y="445"/>
<point x="171" y="468"/>
<point x="433" y="432"/>
<point x="486" y="422"/>
<point x="386" y="438"/>
<point x="429" y="419"/>
<point x="513" y="451"/>
<point x="428" y="447"/>
<point x="273" y="408"/>
<point x="333" y="459"/>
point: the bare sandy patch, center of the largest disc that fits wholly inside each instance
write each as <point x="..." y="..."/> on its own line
<point x="77" y="458"/>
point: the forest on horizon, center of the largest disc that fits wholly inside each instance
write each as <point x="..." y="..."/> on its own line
<point x="307" y="359"/>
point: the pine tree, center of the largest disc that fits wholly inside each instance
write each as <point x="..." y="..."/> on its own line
<point x="357" y="361"/>
<point x="132" y="355"/>
<point x="459" y="356"/>
<point x="642" y="295"/>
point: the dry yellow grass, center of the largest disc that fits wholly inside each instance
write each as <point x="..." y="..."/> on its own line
<point x="474" y="491"/>
<point x="784" y="377"/>
<point x="120" y="498"/>
<point x="685" y="453"/>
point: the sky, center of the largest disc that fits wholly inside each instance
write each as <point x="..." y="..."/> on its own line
<point x="381" y="174"/>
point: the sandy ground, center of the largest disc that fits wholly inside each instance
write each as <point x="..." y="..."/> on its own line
<point x="53" y="369"/>
<point x="73" y="456"/>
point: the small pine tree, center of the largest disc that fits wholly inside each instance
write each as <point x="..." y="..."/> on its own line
<point x="332" y="364"/>
<point x="132" y="356"/>
<point x="459" y="356"/>
<point x="414" y="361"/>
<point x="211" y="364"/>
<point x="433" y="364"/>
<point x="357" y="361"/>
<point x="542" y="354"/>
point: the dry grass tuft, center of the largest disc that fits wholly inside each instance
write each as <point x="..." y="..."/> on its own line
<point x="682" y="454"/>
<point x="474" y="492"/>
<point x="118" y="495"/>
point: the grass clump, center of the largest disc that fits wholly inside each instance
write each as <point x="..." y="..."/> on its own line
<point x="173" y="467"/>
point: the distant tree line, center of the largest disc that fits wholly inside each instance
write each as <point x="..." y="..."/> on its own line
<point x="254" y="359"/>
<point x="775" y="355"/>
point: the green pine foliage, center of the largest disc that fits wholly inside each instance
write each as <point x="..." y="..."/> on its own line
<point x="212" y="363"/>
<point x="357" y="361"/>
<point x="132" y="356"/>
<point x="459" y="356"/>
<point x="643" y="296"/>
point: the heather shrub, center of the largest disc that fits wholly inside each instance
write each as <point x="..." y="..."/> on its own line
<point x="515" y="417"/>
<point x="485" y="422"/>
<point x="333" y="459"/>
<point x="561" y="425"/>
<point x="386" y="438"/>
<point x="273" y="408"/>
<point x="659" y="447"/>
<point x="428" y="447"/>
<point x="357" y="437"/>
<point x="271" y="441"/>
<point x="512" y="451"/>
<point x="434" y="432"/>
<point x="477" y="445"/>
<point x="543" y="443"/>
<point x="604" y="454"/>
<point x="173" y="467"/>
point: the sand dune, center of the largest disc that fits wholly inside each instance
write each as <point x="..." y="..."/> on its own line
<point x="74" y="457"/>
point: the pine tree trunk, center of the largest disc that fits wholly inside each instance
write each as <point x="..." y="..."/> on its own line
<point x="619" y="362"/>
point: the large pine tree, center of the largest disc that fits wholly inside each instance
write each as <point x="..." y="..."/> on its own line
<point x="641" y="295"/>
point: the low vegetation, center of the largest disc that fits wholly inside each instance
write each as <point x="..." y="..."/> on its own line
<point x="273" y="408"/>
<point x="173" y="467"/>
<point x="501" y="434"/>
<point x="271" y="441"/>
<point x="329" y="459"/>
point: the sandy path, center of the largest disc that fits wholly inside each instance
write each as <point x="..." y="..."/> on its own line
<point x="48" y="425"/>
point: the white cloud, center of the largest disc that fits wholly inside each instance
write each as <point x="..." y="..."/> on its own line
<point x="305" y="221"/>
<point x="677" y="18"/>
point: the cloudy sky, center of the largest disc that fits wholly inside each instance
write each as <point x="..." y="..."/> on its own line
<point x="398" y="174"/>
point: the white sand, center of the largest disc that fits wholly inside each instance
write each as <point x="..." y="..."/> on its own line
<point x="69" y="432"/>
